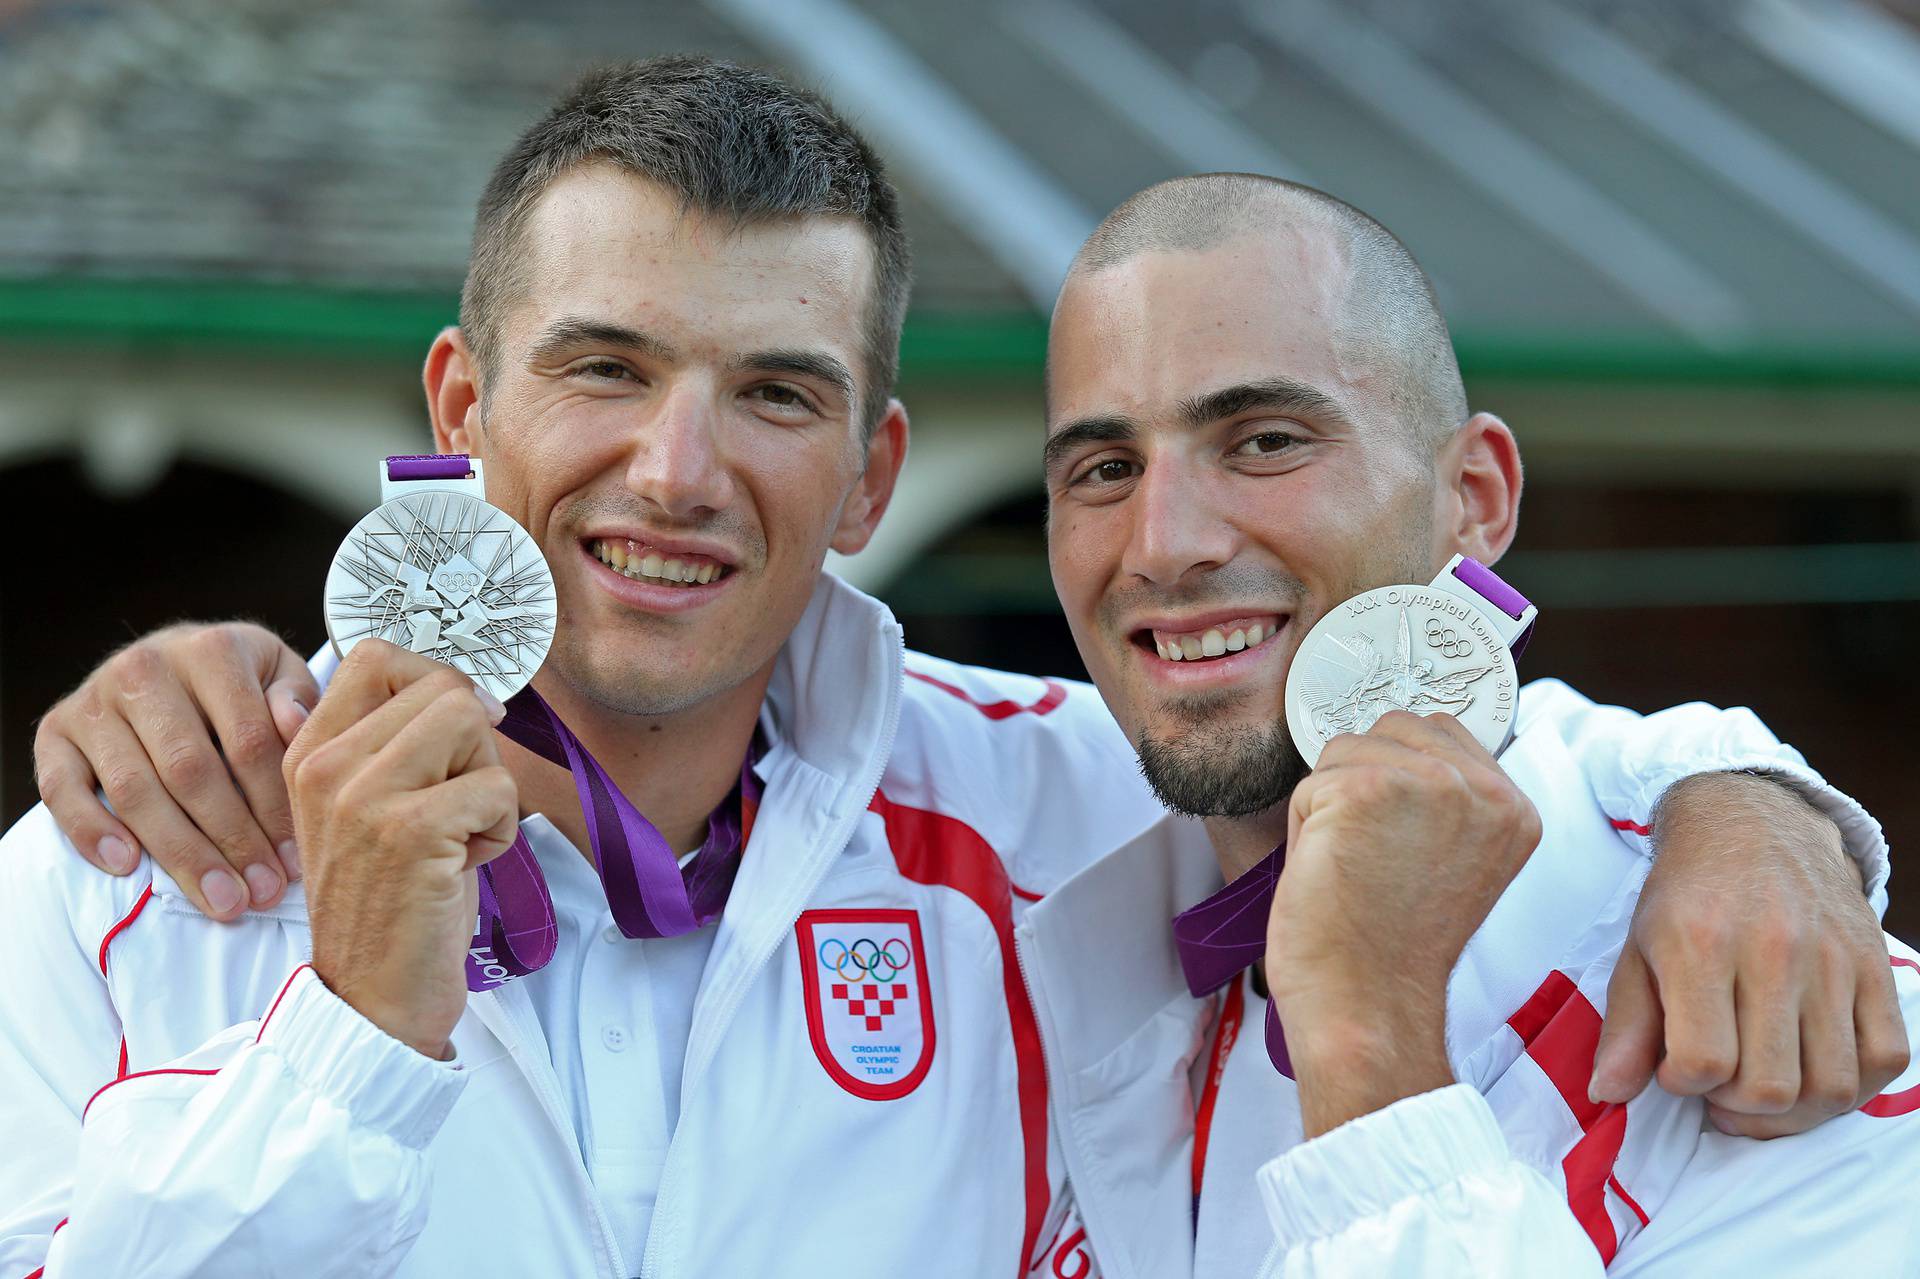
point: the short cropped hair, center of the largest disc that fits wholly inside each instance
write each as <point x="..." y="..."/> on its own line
<point x="1391" y="314"/>
<point x="726" y="139"/>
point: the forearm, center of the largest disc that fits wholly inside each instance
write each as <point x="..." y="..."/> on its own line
<point x="1359" y="1057"/>
<point x="1425" y="1186"/>
<point x="1632" y="760"/>
<point x="308" y="1142"/>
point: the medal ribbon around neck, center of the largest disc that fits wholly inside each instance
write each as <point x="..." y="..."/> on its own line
<point x="648" y="891"/>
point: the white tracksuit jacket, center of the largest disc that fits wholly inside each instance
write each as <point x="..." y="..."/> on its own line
<point x="1511" y="1172"/>
<point x="180" y="1097"/>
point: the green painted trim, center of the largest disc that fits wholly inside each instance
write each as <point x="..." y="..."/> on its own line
<point x="1009" y="345"/>
<point x="1016" y="581"/>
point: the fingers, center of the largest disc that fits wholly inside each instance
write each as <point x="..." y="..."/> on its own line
<point x="1630" y="1037"/>
<point x="446" y="738"/>
<point x="1702" y="1033"/>
<point x="164" y="716"/>
<point x="292" y="692"/>
<point x="126" y="774"/>
<point x="1882" y="1047"/>
<point x="374" y="674"/>
<point x="488" y="801"/>
<point x="66" y="783"/>
<point x="226" y="674"/>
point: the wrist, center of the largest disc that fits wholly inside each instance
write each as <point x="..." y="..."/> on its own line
<point x="396" y="1023"/>
<point x="1358" y="1052"/>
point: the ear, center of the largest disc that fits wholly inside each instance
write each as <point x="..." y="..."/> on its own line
<point x="1479" y="490"/>
<point x="861" y="512"/>
<point x="453" y="393"/>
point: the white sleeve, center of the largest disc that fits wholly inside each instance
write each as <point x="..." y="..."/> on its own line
<point x="1836" y="1200"/>
<point x="1630" y="759"/>
<point x="293" y="1146"/>
<point x="1426" y="1186"/>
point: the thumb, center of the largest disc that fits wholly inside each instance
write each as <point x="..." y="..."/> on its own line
<point x="1631" y="1035"/>
<point x="292" y="692"/>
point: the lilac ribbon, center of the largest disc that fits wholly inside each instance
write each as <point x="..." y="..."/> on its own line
<point x="429" y="466"/>
<point x="1227" y="933"/>
<point x="649" y="892"/>
<point x="1477" y="577"/>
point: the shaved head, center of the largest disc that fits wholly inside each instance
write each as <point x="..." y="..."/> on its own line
<point x="1387" y="317"/>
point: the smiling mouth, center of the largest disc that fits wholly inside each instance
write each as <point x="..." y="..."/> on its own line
<point x="1213" y="642"/>
<point x="642" y="563"/>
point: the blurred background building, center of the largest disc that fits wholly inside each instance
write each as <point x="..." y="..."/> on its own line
<point x="1679" y="242"/>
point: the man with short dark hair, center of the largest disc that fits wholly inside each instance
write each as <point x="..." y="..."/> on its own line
<point x="678" y="380"/>
<point x="1391" y="1016"/>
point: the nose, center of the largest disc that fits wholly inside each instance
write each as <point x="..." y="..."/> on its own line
<point x="678" y="462"/>
<point x="1177" y="526"/>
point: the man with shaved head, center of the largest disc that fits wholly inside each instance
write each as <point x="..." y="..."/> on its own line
<point x="1254" y="415"/>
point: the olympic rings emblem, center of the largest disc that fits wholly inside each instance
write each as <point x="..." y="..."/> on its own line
<point x="854" y="964"/>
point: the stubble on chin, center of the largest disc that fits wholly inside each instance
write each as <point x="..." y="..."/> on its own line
<point x="1203" y="769"/>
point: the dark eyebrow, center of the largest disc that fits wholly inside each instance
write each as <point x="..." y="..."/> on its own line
<point x="573" y="332"/>
<point x="813" y="364"/>
<point x="1276" y="394"/>
<point x="1106" y="429"/>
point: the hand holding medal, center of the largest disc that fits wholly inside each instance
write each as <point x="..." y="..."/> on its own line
<point x="1401" y="839"/>
<point x="437" y="573"/>
<point x="1400" y="697"/>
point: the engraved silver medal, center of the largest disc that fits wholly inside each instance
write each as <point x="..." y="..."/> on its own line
<point x="440" y="571"/>
<point x="1434" y="649"/>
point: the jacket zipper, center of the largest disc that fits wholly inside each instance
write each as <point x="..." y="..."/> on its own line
<point x="667" y="1211"/>
<point x="540" y="1074"/>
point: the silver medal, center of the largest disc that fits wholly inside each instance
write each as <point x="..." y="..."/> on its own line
<point x="1423" y="649"/>
<point x="451" y="577"/>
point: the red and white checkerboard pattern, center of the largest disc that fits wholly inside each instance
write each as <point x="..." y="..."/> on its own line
<point x="858" y="999"/>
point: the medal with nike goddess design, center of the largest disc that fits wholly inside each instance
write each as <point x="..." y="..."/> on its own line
<point x="1444" y="648"/>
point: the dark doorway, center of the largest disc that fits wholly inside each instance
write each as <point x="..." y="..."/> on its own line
<point x="88" y="572"/>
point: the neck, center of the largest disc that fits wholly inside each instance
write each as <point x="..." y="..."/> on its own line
<point x="1240" y="842"/>
<point x="675" y="768"/>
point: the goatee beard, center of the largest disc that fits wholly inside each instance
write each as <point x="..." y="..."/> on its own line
<point x="1210" y="772"/>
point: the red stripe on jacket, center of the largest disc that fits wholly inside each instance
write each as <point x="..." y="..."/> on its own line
<point x="1891" y="1105"/>
<point x="146" y="895"/>
<point x="1049" y="700"/>
<point x="1561" y="1031"/>
<point x="932" y="848"/>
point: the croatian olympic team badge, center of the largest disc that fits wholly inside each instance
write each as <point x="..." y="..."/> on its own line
<point x="868" y="1010"/>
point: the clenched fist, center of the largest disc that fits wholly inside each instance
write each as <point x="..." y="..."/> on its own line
<point x="1398" y="845"/>
<point x="398" y="795"/>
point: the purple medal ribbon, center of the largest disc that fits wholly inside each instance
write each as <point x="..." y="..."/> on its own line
<point x="649" y="892"/>
<point x="1227" y="933"/>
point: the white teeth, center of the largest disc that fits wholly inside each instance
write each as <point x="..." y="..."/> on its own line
<point x="1161" y="649"/>
<point x="625" y="557"/>
<point x="1190" y="648"/>
<point x="1254" y="636"/>
<point x="1213" y="643"/>
<point x="1236" y="641"/>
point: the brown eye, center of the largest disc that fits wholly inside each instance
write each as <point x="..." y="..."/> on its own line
<point x="1266" y="444"/>
<point x="1112" y="471"/>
